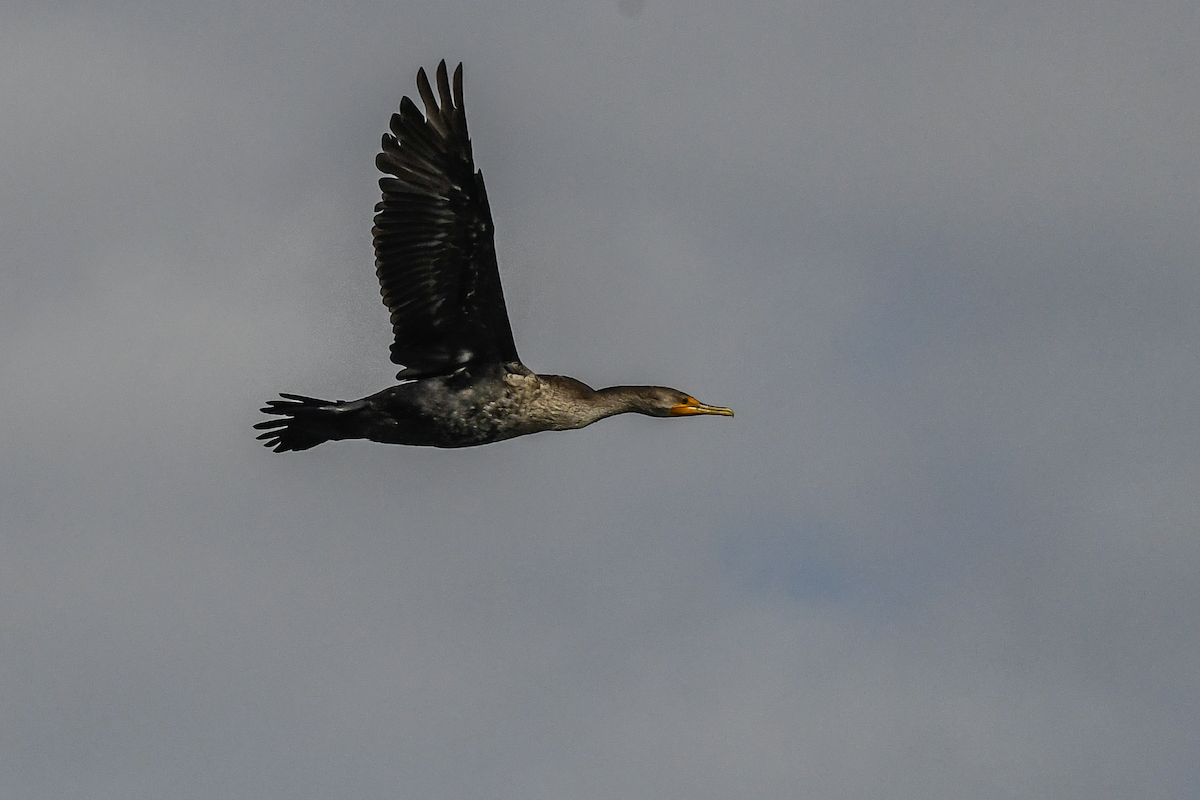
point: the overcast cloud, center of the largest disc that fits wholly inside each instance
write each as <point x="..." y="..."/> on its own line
<point x="941" y="257"/>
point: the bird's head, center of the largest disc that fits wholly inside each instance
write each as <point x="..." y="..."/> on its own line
<point x="659" y="401"/>
<point x="687" y="406"/>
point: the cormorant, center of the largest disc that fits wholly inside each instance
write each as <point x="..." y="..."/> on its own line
<point x="462" y="383"/>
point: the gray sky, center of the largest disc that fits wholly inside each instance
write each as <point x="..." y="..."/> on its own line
<point x="942" y="258"/>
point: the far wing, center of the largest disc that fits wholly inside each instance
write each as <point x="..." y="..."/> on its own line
<point x="434" y="253"/>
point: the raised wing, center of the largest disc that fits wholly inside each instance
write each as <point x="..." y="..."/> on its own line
<point x="434" y="252"/>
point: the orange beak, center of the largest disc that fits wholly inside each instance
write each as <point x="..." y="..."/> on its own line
<point x="692" y="406"/>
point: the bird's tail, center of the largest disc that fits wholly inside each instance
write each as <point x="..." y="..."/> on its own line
<point x="306" y="422"/>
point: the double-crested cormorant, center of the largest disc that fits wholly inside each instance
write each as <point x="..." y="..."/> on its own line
<point x="462" y="383"/>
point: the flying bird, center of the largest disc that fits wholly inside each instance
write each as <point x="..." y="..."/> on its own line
<point x="463" y="383"/>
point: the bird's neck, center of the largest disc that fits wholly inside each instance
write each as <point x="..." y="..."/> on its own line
<point x="623" y="400"/>
<point x="572" y="404"/>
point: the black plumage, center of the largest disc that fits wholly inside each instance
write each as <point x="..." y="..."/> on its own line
<point x="463" y="383"/>
<point x="434" y="251"/>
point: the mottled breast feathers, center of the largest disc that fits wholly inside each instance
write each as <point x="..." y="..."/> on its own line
<point x="434" y="250"/>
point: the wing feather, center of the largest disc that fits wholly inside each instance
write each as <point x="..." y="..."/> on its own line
<point x="434" y="249"/>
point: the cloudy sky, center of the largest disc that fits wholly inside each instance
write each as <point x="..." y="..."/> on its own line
<point x="943" y="258"/>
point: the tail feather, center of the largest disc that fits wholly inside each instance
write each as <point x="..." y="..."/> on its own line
<point x="306" y="422"/>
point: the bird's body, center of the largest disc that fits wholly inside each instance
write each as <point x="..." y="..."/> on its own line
<point x="463" y="382"/>
<point x="467" y="408"/>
